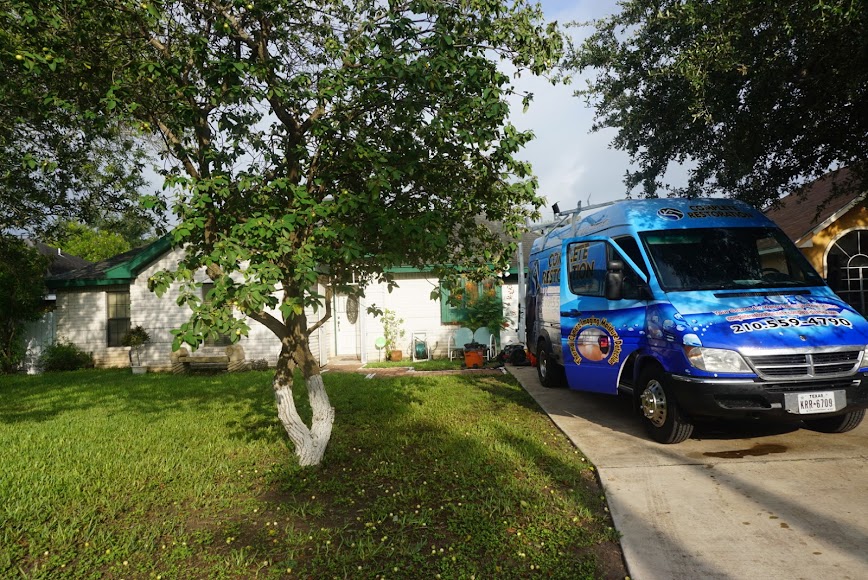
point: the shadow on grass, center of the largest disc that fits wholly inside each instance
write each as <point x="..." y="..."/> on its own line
<point x="44" y="397"/>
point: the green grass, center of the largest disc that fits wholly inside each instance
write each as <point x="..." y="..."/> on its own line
<point x="440" y="364"/>
<point x="108" y="475"/>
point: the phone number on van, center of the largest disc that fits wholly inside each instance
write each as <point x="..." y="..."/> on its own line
<point x="772" y="323"/>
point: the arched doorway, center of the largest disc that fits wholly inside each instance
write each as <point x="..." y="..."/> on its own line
<point x="847" y="268"/>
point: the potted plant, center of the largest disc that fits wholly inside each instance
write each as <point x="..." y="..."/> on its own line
<point x="392" y="332"/>
<point x="486" y="311"/>
<point x="136" y="338"/>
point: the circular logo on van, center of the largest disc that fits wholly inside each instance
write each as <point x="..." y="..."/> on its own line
<point x="670" y="213"/>
<point x="595" y="339"/>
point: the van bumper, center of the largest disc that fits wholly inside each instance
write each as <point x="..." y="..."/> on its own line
<point x="750" y="398"/>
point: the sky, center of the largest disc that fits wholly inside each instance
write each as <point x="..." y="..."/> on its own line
<point x="572" y="163"/>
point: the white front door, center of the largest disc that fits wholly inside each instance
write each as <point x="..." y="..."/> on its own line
<point x="346" y="325"/>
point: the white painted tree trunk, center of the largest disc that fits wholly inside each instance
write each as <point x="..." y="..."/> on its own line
<point x="310" y="443"/>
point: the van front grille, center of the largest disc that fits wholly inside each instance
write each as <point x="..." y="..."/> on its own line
<point x="806" y="364"/>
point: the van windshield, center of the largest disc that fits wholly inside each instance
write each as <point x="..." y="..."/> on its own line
<point x="727" y="258"/>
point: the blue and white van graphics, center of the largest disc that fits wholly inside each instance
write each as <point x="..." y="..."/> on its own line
<point x="698" y="308"/>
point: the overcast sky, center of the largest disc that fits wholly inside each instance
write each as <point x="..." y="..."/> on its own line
<point x="571" y="163"/>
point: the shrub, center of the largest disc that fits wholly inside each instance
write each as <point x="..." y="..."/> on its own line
<point x="65" y="356"/>
<point x="12" y="355"/>
<point x="392" y="330"/>
<point x="136" y="338"/>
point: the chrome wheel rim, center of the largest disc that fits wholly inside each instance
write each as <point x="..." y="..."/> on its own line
<point x="653" y="401"/>
<point x="542" y="364"/>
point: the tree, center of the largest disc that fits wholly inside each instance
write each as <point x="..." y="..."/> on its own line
<point x="88" y="243"/>
<point x="313" y="145"/>
<point x="22" y="270"/>
<point x="755" y="97"/>
<point x="58" y="162"/>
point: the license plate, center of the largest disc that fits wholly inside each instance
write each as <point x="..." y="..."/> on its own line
<point x="816" y="403"/>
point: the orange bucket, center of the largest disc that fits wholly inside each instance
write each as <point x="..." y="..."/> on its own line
<point x="473" y="358"/>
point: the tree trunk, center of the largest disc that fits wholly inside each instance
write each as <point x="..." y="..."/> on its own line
<point x="310" y="443"/>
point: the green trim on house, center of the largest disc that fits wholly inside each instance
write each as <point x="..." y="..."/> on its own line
<point x="131" y="268"/>
<point x="124" y="272"/>
<point x="427" y="269"/>
<point x="409" y="270"/>
<point x="87" y="282"/>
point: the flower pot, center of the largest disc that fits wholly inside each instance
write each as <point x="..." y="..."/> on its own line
<point x="139" y="370"/>
<point x="396" y="355"/>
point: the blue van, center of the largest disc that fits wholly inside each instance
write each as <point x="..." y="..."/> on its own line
<point x="697" y="308"/>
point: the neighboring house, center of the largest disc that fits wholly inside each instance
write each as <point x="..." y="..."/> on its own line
<point x="97" y="304"/>
<point x="828" y="221"/>
<point x="42" y="333"/>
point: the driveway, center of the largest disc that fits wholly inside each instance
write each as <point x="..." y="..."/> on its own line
<point x="739" y="502"/>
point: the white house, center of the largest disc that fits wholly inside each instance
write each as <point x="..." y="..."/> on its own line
<point x="97" y="304"/>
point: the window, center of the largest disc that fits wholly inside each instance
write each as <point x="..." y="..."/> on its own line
<point x="587" y="264"/>
<point x="586" y="267"/>
<point x="727" y="259"/>
<point x="452" y="305"/>
<point x="117" y="315"/>
<point x="222" y="339"/>
<point x="847" y="269"/>
<point x="631" y="248"/>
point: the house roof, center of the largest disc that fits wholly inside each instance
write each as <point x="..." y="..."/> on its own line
<point x="58" y="262"/>
<point x="123" y="268"/>
<point x="120" y="269"/>
<point x="815" y="206"/>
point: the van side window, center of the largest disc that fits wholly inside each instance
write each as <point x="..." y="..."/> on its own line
<point x="631" y="248"/>
<point x="586" y="265"/>
<point x="632" y="280"/>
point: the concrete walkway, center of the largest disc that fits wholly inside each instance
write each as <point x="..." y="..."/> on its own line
<point x="744" y="502"/>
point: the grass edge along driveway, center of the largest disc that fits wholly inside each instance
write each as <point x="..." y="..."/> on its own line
<point x="106" y="474"/>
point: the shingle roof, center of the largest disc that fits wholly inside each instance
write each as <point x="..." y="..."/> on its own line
<point x="800" y="213"/>
<point x="58" y="262"/>
<point x="115" y="270"/>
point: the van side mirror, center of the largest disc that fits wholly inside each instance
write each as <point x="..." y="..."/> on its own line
<point x="614" y="279"/>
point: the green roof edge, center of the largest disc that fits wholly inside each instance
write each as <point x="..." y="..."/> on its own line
<point x="123" y="273"/>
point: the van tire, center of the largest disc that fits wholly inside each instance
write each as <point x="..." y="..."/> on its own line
<point x="551" y="374"/>
<point x="837" y="424"/>
<point x="663" y="419"/>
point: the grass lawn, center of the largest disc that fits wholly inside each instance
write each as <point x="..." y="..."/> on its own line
<point x="108" y="475"/>
<point x="439" y="364"/>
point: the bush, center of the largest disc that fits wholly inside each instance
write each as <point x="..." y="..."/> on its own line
<point x="12" y="355"/>
<point x="65" y="356"/>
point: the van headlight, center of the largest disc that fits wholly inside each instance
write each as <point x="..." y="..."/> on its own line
<point x="716" y="360"/>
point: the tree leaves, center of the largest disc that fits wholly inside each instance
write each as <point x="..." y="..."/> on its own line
<point x="753" y="97"/>
<point x="326" y="141"/>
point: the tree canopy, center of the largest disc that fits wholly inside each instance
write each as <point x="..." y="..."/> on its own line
<point x="59" y="161"/>
<point x="754" y="97"/>
<point x="88" y="243"/>
<point x="22" y="270"/>
<point x="311" y="144"/>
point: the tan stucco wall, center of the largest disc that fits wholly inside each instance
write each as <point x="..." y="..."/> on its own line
<point x="856" y="218"/>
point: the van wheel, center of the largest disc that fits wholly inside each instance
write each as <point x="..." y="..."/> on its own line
<point x="551" y="374"/>
<point x="837" y="424"/>
<point x="660" y="413"/>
